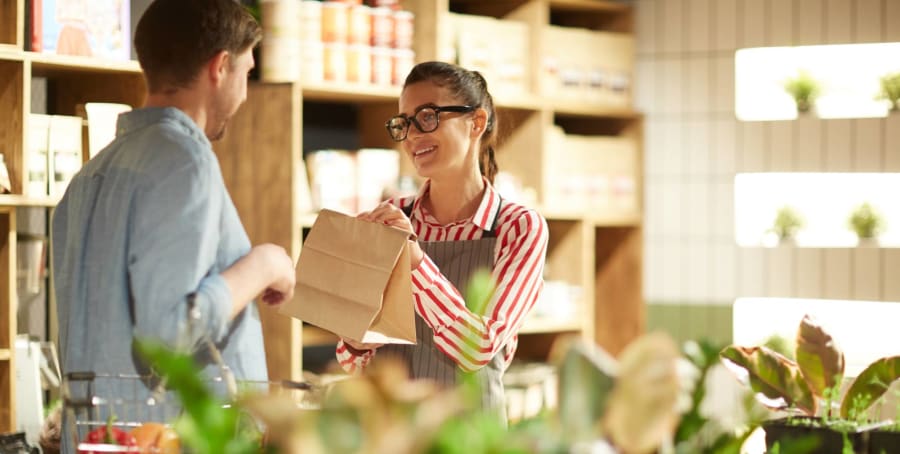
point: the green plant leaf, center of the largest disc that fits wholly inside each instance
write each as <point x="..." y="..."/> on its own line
<point x="820" y="360"/>
<point x="207" y="425"/>
<point x="643" y="410"/>
<point x="479" y="291"/>
<point x="772" y="376"/>
<point x="586" y="378"/>
<point x="866" y="221"/>
<point x="703" y="355"/>
<point x="871" y="384"/>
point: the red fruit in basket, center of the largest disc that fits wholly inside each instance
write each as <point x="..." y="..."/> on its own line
<point x="108" y="435"/>
<point x="156" y="438"/>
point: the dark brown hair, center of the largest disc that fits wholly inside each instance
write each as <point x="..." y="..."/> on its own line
<point x="471" y="89"/>
<point x="175" y="38"/>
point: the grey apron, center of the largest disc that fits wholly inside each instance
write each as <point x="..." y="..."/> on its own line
<point x="458" y="261"/>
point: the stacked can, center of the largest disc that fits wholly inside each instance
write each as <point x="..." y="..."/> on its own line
<point x="347" y="41"/>
<point x="280" y="50"/>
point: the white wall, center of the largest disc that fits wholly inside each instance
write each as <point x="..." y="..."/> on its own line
<point x="695" y="146"/>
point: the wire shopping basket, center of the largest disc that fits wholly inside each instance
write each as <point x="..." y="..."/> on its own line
<point x="124" y="402"/>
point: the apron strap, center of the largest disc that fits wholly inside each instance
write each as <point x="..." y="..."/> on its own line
<point x="492" y="233"/>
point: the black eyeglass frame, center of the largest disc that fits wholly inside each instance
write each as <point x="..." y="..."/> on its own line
<point x="437" y="118"/>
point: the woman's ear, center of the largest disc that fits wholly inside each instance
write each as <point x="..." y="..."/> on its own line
<point x="479" y="121"/>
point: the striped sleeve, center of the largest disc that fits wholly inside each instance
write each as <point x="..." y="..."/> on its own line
<point x="351" y="363"/>
<point x="471" y="339"/>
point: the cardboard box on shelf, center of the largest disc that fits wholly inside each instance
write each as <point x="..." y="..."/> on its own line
<point x="587" y="66"/>
<point x="64" y="152"/>
<point x="498" y="49"/>
<point x="35" y="174"/>
<point x="353" y="280"/>
<point x="597" y="174"/>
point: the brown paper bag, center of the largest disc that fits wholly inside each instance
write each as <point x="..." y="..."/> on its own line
<point x="353" y="280"/>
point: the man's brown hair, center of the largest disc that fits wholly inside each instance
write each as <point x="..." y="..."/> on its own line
<point x="175" y="38"/>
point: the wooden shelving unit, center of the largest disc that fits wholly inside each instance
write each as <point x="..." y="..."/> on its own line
<point x="597" y="251"/>
<point x="261" y="160"/>
<point x="7" y="318"/>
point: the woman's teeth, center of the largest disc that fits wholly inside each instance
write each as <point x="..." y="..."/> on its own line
<point x="423" y="151"/>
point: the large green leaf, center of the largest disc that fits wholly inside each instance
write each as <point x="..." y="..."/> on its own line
<point x="703" y="355"/>
<point x="586" y="378"/>
<point x="207" y="425"/>
<point x="642" y="410"/>
<point x="771" y="375"/>
<point x="820" y="360"/>
<point x="870" y="385"/>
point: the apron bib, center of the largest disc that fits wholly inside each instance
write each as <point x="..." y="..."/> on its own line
<point x="458" y="261"/>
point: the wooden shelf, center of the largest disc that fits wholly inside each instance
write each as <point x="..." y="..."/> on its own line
<point x="54" y="63"/>
<point x="5" y="354"/>
<point x="17" y="200"/>
<point x="581" y="109"/>
<point x="536" y="325"/>
<point x="350" y="93"/>
<point x="10" y="53"/>
<point x="609" y="219"/>
<point x="521" y="102"/>
<point x="589" y="6"/>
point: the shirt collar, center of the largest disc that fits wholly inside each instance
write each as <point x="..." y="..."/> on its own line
<point x="484" y="216"/>
<point x="134" y="120"/>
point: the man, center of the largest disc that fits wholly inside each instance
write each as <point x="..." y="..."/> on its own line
<point x="147" y="225"/>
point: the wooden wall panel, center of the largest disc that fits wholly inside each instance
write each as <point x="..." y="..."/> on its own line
<point x="781" y="146"/>
<point x="838" y="145"/>
<point x="839" y="22"/>
<point x="754" y="24"/>
<point x="837" y="274"/>
<point x="725" y="25"/>
<point x="866" y="274"/>
<point x="620" y="314"/>
<point x="867" y="146"/>
<point x="259" y="172"/>
<point x="809" y="273"/>
<point x="781" y="23"/>
<point x="869" y="24"/>
<point x="698" y="13"/>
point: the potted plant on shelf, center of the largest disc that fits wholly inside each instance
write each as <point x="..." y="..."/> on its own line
<point x="866" y="222"/>
<point x="890" y="90"/>
<point x="809" y="388"/>
<point x="787" y="223"/>
<point x="804" y="89"/>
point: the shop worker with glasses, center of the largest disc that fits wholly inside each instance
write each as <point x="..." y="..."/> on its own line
<point x="447" y="126"/>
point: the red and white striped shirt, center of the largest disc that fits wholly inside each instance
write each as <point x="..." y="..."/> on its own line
<point x="470" y="339"/>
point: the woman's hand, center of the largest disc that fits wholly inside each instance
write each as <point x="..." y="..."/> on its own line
<point x="388" y="214"/>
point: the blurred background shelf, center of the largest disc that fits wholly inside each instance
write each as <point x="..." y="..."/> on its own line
<point x="16" y="200"/>
<point x="537" y="325"/>
<point x="52" y="62"/>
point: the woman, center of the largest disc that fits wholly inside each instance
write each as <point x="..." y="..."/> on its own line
<point x="448" y="128"/>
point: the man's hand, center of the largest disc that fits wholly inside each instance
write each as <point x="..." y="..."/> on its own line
<point x="281" y="272"/>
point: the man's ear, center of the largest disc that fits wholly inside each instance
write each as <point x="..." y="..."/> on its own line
<point x="218" y="67"/>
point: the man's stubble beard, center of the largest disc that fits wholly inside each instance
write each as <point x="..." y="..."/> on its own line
<point x="220" y="132"/>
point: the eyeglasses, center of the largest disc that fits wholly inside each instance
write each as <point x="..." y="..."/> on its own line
<point x="426" y="119"/>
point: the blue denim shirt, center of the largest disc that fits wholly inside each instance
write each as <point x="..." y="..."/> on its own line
<point x="145" y="223"/>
